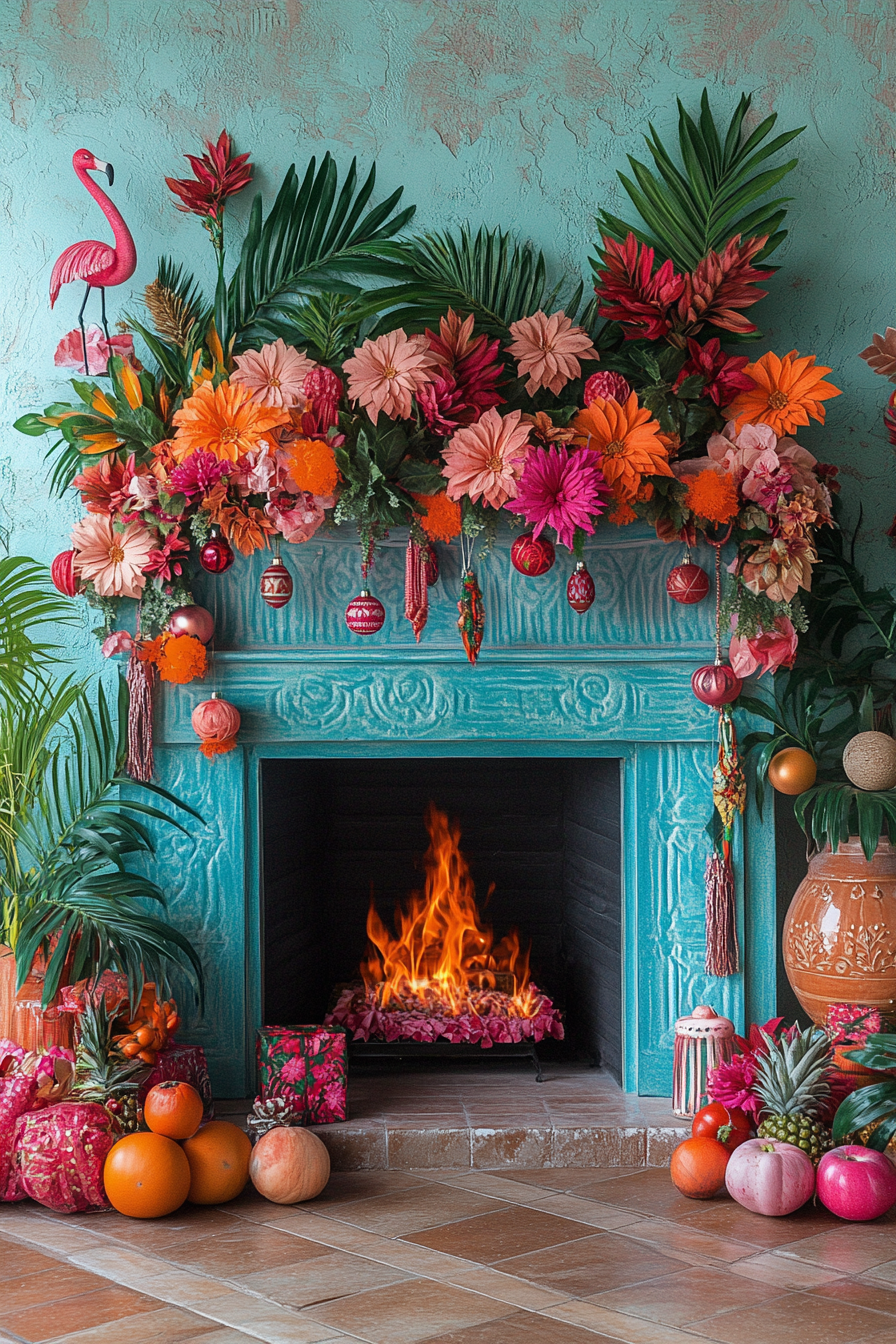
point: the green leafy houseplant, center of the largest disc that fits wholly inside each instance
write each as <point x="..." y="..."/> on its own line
<point x="874" y="1104"/>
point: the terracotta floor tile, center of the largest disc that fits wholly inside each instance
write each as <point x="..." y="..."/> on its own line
<point x="503" y="1187"/>
<point x="40" y="1323"/>
<point x="522" y="1327"/>
<point x="243" y="1250"/>
<point x="595" y="1264"/>
<point x="345" y="1186"/>
<point x="172" y="1325"/>
<point x="589" y="1211"/>
<point x="495" y="1236"/>
<point x="647" y="1191"/>
<point x="407" y="1312"/>
<point x="852" y="1248"/>
<point x="794" y="1317"/>
<point x="408" y="1211"/>
<point x="327" y="1277"/>
<point x="785" y="1271"/>
<point x="690" y="1295"/>
<point x="690" y="1240"/>
<point x="863" y="1292"/>
<point x="48" y="1285"/>
<point x="570" y="1178"/>
<point x="17" y="1260"/>
<point x="725" y="1218"/>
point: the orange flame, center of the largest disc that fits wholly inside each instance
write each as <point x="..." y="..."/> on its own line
<point x="444" y="956"/>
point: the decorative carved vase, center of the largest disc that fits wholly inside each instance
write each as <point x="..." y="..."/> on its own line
<point x="839" y="940"/>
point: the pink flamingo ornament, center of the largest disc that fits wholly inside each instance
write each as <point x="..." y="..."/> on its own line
<point x="97" y="263"/>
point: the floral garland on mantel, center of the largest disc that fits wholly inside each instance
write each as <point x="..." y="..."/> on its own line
<point x="456" y="389"/>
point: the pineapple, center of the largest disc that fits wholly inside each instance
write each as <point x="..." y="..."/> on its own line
<point x="793" y="1082"/>
<point x="103" y="1072"/>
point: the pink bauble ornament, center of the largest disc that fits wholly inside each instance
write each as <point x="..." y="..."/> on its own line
<point x="770" y="1177"/>
<point x="610" y="386"/>
<point x="62" y="572"/>
<point x="195" y="621"/>
<point x="216" y="722"/>
<point x="431" y="565"/>
<point x="364" y="615"/>
<point x="276" y="584"/>
<point x="216" y="556"/>
<point x="687" y="584"/>
<point x="580" y="589"/>
<point x="716" y="684"/>
<point x="532" y="555"/>
<point x="856" y="1183"/>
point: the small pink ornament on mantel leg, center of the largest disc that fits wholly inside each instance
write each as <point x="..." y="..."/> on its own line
<point x="580" y="589"/>
<point x="276" y="583"/>
<point x="365" y="614"/>
<point x="702" y="1041"/>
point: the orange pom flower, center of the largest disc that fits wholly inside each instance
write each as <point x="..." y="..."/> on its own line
<point x="442" y="520"/>
<point x="179" y="658"/>
<point x="223" y="420"/>
<point x="628" y="440"/>
<point x="312" y="466"/>
<point x="786" y="394"/>
<point x="712" y="496"/>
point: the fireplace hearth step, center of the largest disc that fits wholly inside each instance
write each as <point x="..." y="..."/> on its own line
<point x="360" y="1052"/>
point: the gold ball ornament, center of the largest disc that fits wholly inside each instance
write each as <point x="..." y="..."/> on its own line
<point x="792" y="771"/>
<point x="870" y="761"/>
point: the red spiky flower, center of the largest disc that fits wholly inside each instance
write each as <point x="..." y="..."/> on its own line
<point x="218" y="174"/>
<point x="463" y="386"/>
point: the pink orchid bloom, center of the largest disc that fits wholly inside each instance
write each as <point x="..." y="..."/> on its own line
<point x="767" y="479"/>
<point x="120" y="641"/>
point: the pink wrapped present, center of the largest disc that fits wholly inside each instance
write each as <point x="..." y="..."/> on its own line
<point x="308" y="1066"/>
<point x="17" y="1097"/>
<point x="182" y="1064"/>
<point x="60" y="1153"/>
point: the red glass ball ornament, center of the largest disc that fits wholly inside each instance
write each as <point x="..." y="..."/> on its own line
<point x="716" y="684"/>
<point x="216" y="556"/>
<point x="62" y="572"/>
<point x="364" y="615"/>
<point x="687" y="584"/>
<point x="195" y="621"/>
<point x="431" y="565"/>
<point x="276" y="584"/>
<point x="532" y="555"/>
<point x="580" y="589"/>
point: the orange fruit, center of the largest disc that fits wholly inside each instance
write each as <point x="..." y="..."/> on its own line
<point x="218" y="1155"/>
<point x="173" y="1109"/>
<point x="792" y="771"/>
<point x="698" y="1167"/>
<point x="146" y="1176"/>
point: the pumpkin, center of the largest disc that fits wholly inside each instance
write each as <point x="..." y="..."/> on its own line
<point x="730" y="1125"/>
<point x="146" y="1176"/>
<point x="289" y="1165"/>
<point x="173" y="1109"/>
<point x="770" y="1177"/>
<point x="792" y="771"/>
<point x="218" y="1156"/>
<point x="698" y="1167"/>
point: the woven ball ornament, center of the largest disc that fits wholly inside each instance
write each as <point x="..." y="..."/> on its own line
<point x="870" y="761"/>
<point x="191" y="620"/>
<point x="62" y="572"/>
<point x="364" y="615"/>
<point x="687" y="584"/>
<point x="276" y="584"/>
<point x="532" y="555"/>
<point x="580" y="589"/>
<point x="716" y="684"/>
<point x="216" y="556"/>
<point x="431" y="565"/>
<point x="216" y="722"/>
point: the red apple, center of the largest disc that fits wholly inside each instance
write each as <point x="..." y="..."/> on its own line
<point x="856" y="1183"/>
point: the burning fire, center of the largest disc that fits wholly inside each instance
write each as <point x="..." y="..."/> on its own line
<point x="444" y="959"/>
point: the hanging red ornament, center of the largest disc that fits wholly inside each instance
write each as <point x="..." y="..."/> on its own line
<point x="276" y="584"/>
<point x="216" y="556"/>
<point x="716" y="684"/>
<point x="580" y="589"/>
<point x="216" y="722"/>
<point x="532" y="555"/>
<point x="364" y="615"/>
<point x="191" y="620"/>
<point x="62" y="572"/>
<point x="687" y="583"/>
<point x="431" y="565"/>
<point x="416" y="589"/>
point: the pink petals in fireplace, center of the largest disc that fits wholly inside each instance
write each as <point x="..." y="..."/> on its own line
<point x="359" y="1011"/>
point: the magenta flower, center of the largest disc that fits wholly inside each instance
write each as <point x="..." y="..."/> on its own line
<point x="563" y="489"/>
<point x="197" y="474"/>
<point x="731" y="1084"/>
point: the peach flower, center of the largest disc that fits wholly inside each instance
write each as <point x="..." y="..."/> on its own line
<point x="111" y="560"/>
<point x="383" y="374"/>
<point x="548" y="350"/>
<point x="485" y="460"/>
<point x="274" y="375"/>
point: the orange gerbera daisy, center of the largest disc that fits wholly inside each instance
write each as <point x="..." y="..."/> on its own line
<point x="786" y="393"/>
<point x="442" y="520"/>
<point x="223" y="420"/>
<point x="312" y="466"/>
<point x="712" y="496"/>
<point x="628" y="440"/>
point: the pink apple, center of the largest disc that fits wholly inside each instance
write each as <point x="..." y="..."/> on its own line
<point x="770" y="1177"/>
<point x="856" y="1183"/>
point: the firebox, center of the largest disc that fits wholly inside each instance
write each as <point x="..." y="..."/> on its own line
<point x="541" y="840"/>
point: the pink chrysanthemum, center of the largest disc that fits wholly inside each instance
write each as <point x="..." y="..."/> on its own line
<point x="563" y="489"/>
<point x="112" y="561"/>
<point x="197" y="474"/>
<point x="274" y="375"/>
<point x="611" y="386"/>
<point x="485" y="460"/>
<point x="548" y="350"/>
<point x="385" y="373"/>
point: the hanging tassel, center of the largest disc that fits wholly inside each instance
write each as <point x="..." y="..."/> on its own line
<point x="416" y="588"/>
<point x="721" y="933"/>
<point x="141" y="676"/>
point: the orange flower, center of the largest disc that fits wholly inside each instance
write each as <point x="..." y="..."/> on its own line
<point x="786" y="393"/>
<point x="312" y="466"/>
<point x="441" y="521"/>
<point x="622" y="515"/>
<point x="628" y="440"/>
<point x="179" y="658"/>
<point x="712" y="496"/>
<point x="223" y="420"/>
<point x="247" y="531"/>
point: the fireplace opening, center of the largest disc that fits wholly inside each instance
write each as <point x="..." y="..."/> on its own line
<point x="541" y="837"/>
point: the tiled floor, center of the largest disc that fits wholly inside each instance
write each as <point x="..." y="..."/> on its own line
<point x="525" y="1256"/>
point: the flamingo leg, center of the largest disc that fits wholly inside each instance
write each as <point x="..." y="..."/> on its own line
<point x="83" y="332"/>
<point x="103" y="312"/>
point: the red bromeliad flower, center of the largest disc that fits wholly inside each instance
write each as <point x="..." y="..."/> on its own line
<point x="218" y="174"/>
<point x="464" y="384"/>
<point x="630" y="292"/>
<point x="722" y="374"/>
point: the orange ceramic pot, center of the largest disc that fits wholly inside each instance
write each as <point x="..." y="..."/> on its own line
<point x="839" y="940"/>
<point x="7" y="989"/>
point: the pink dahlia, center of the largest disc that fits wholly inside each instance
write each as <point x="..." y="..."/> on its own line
<point x="485" y="460"/>
<point x="274" y="375"/>
<point x="563" y="489"/>
<point x="112" y="561"/>
<point x="197" y="474"/>
<point x="731" y="1084"/>
<point x="548" y="350"/>
<point x="385" y="373"/>
<point x="611" y="386"/>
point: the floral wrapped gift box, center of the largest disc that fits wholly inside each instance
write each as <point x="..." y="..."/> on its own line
<point x="308" y="1066"/>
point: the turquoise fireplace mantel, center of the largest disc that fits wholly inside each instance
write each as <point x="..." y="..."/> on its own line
<point x="614" y="682"/>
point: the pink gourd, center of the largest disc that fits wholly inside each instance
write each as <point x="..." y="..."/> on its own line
<point x="769" y="1177"/>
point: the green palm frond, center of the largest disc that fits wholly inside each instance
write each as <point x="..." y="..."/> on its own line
<point x="311" y="240"/>
<point x="26" y="600"/>
<point x="690" y="210"/>
<point x="327" y="326"/>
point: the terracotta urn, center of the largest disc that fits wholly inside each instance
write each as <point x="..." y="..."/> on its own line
<point x="839" y="939"/>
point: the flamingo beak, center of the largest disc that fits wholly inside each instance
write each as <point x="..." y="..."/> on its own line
<point x="106" y="168"/>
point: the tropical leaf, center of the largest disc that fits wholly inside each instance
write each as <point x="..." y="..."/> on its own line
<point x="326" y="325"/>
<point x="864" y="1107"/>
<point x="692" y="209"/>
<point x="26" y="600"/>
<point x="878" y="1052"/>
